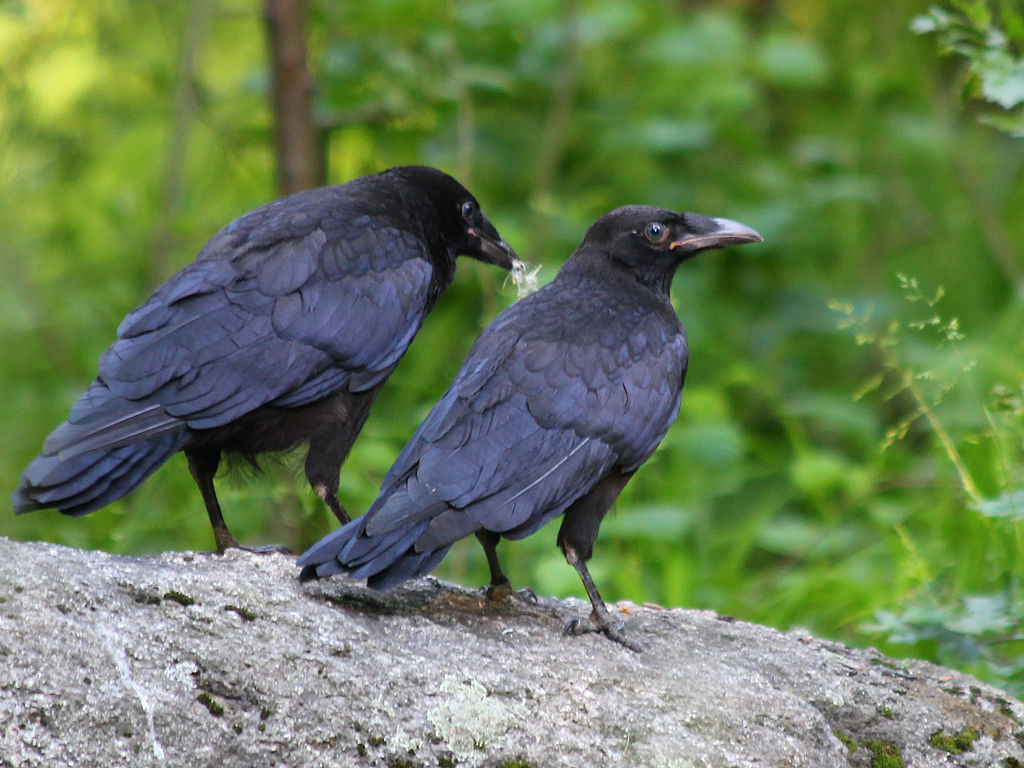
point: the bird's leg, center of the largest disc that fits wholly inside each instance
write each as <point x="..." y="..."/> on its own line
<point x="329" y="448"/>
<point x="323" y="468"/>
<point x="330" y="498"/>
<point x="600" y="619"/>
<point x="500" y="587"/>
<point x="576" y="539"/>
<point x="203" y="466"/>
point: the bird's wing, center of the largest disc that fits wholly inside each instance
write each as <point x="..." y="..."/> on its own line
<point x="528" y="426"/>
<point x="254" y="321"/>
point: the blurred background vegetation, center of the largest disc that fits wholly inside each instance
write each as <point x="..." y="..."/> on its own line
<point x="848" y="454"/>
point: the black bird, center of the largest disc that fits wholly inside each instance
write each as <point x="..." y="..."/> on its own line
<point x="562" y="397"/>
<point x="281" y="332"/>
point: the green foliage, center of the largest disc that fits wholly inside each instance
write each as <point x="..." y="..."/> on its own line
<point x="809" y="480"/>
<point x="991" y="43"/>
<point x="984" y="630"/>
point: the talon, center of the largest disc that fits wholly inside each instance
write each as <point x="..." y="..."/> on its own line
<point x="572" y="627"/>
<point x="270" y="549"/>
<point x="266" y="549"/>
<point x="617" y="635"/>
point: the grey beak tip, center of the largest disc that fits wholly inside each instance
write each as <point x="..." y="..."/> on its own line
<point x="739" y="231"/>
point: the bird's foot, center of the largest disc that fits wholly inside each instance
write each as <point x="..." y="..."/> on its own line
<point x="526" y="595"/>
<point x="498" y="593"/>
<point x="269" y="549"/>
<point x="266" y="549"/>
<point x="502" y="591"/>
<point x="613" y="630"/>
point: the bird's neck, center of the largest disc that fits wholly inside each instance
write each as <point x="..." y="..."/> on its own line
<point x="604" y="267"/>
<point x="444" y="273"/>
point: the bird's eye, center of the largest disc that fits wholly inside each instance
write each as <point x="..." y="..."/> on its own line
<point x="469" y="210"/>
<point x="656" y="233"/>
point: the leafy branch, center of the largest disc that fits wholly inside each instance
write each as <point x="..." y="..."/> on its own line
<point x="992" y="44"/>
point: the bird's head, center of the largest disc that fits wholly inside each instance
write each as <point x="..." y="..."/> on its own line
<point x="481" y="239"/>
<point x="465" y="229"/>
<point x="651" y="242"/>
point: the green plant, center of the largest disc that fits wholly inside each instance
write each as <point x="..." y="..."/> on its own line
<point x="990" y="40"/>
<point x="981" y="437"/>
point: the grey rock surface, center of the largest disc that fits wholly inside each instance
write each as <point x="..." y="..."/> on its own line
<point x="202" y="660"/>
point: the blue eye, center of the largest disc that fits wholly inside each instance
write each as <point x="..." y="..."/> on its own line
<point x="656" y="233"/>
<point x="469" y="210"/>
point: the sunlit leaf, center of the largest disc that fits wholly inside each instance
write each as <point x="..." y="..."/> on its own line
<point x="1002" y="79"/>
<point x="1010" y="504"/>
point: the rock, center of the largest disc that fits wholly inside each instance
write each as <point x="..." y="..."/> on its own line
<point x="202" y="660"/>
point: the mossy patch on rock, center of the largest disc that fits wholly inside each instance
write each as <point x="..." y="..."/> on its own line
<point x="961" y="741"/>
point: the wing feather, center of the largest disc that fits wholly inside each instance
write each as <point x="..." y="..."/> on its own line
<point x="284" y="321"/>
<point x="531" y="423"/>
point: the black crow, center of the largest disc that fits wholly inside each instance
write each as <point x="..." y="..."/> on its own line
<point x="564" y="395"/>
<point x="281" y="332"/>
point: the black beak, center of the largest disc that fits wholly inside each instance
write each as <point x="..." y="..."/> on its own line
<point x="489" y="246"/>
<point x="723" y="232"/>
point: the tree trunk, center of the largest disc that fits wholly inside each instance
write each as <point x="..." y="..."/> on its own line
<point x="299" y="143"/>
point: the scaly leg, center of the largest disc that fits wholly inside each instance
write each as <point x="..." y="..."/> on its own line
<point x="600" y="619"/>
<point x="203" y="466"/>
<point x="500" y="587"/>
<point x="576" y="538"/>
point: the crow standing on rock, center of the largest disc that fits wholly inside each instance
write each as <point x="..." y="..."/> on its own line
<point x="281" y="332"/>
<point x="564" y="395"/>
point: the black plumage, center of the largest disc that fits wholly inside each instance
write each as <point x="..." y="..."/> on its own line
<point x="281" y="332"/>
<point x="562" y="397"/>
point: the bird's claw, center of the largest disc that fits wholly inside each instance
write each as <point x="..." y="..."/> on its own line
<point x="614" y="631"/>
<point x="266" y="549"/>
<point x="499" y="593"/>
<point x="618" y="634"/>
<point x="270" y="549"/>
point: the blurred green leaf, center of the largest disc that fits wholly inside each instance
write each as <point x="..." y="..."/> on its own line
<point x="996" y="64"/>
<point x="1002" y="79"/>
<point x="669" y="135"/>
<point x="652" y="522"/>
<point x="1009" y="504"/>
<point x="792" y="60"/>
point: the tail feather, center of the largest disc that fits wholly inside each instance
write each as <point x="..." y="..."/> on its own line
<point x="328" y="548"/>
<point x="383" y="560"/>
<point x="70" y="440"/>
<point x="409" y="566"/>
<point x="384" y="552"/>
<point x="102" y="420"/>
<point x="363" y="552"/>
<point x="105" y="449"/>
<point x="86" y="482"/>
